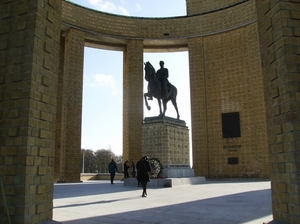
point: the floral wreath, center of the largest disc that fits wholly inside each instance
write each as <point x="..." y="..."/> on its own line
<point x="156" y="167"/>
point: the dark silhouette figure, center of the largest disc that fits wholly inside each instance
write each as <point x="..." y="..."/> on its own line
<point x="143" y="167"/>
<point x="112" y="169"/>
<point x="163" y="75"/>
<point x="132" y="167"/>
<point x="155" y="89"/>
<point x="126" y="168"/>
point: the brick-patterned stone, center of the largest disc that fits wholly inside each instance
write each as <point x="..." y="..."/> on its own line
<point x="204" y="6"/>
<point x="68" y="147"/>
<point x="166" y="140"/>
<point x="281" y="95"/>
<point x="132" y="100"/>
<point x="198" y="102"/>
<point x="23" y="101"/>
<point x="217" y="93"/>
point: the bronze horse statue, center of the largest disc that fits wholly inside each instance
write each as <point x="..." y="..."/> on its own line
<point x="155" y="90"/>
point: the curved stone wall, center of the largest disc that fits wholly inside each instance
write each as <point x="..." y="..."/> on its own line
<point x="115" y="29"/>
<point x="204" y="6"/>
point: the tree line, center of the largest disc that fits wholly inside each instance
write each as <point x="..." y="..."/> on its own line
<point x="97" y="161"/>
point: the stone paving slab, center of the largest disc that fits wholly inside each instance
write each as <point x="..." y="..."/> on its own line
<point x="232" y="202"/>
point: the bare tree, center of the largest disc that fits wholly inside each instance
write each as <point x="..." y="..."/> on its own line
<point x="98" y="161"/>
<point x="119" y="161"/>
<point x="103" y="156"/>
<point x="89" y="160"/>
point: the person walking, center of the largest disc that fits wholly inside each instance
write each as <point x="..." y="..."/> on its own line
<point x="143" y="167"/>
<point x="112" y="169"/>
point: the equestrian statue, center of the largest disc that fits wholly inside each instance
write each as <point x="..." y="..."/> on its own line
<point x="160" y="88"/>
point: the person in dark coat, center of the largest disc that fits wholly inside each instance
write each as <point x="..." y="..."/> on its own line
<point x="132" y="167"/>
<point x="143" y="167"/>
<point x="112" y="169"/>
<point x="163" y="75"/>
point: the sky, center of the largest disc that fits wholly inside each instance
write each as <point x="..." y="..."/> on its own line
<point x="102" y="112"/>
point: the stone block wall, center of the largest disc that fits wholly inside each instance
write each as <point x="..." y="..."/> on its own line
<point x="167" y="140"/>
<point x="278" y="25"/>
<point x="234" y="84"/>
<point x="205" y="6"/>
<point x="29" y="58"/>
<point x="198" y="108"/>
<point x="123" y="28"/>
<point x="132" y="100"/>
<point x="226" y="76"/>
<point x="70" y="84"/>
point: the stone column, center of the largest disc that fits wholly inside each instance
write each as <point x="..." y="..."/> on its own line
<point x="279" y="35"/>
<point x="68" y="142"/>
<point x="198" y="107"/>
<point x="133" y="100"/>
<point x="29" y="54"/>
<point x="58" y="134"/>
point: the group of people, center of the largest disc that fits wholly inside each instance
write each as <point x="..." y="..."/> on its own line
<point x="127" y="165"/>
<point x="143" y="172"/>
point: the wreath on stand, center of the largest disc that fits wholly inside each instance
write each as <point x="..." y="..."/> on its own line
<point x="156" y="167"/>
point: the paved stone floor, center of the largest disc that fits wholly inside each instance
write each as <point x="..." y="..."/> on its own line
<point x="224" y="202"/>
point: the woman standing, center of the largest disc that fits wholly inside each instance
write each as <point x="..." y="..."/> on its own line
<point x="143" y="167"/>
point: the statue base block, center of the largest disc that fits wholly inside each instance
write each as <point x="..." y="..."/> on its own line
<point x="167" y="139"/>
<point x="176" y="171"/>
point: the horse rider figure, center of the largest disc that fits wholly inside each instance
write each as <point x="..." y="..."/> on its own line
<point x="163" y="75"/>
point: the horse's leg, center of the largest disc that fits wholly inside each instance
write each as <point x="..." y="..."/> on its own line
<point x="146" y="101"/>
<point x="173" y="100"/>
<point x="149" y="94"/>
<point x="159" y="104"/>
<point x="175" y="106"/>
<point x="165" y="106"/>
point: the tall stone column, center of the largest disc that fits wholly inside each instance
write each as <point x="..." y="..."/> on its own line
<point x="68" y="142"/>
<point x="133" y="100"/>
<point x="279" y="36"/>
<point x="58" y="134"/>
<point x="198" y="107"/>
<point x="29" y="54"/>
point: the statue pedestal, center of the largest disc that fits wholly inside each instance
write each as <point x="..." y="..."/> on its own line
<point x="177" y="171"/>
<point x="167" y="139"/>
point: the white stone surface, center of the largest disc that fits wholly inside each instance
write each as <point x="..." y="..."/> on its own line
<point x="171" y="172"/>
<point x="224" y="202"/>
<point x="166" y="182"/>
